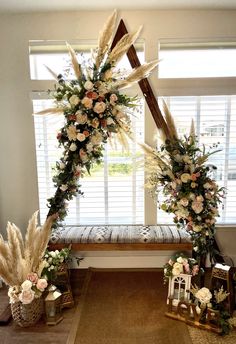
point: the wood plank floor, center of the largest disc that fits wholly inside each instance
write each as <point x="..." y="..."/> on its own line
<point x="41" y="333"/>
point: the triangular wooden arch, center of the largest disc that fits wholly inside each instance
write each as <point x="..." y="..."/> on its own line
<point x="144" y="83"/>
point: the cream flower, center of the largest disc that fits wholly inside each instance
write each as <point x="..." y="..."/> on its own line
<point x="74" y="100"/>
<point x="113" y="98"/>
<point x="184" y="202"/>
<point x="99" y="107"/>
<point x="204" y="295"/>
<point x="197" y="207"/>
<point x="196" y="228"/>
<point x="81" y="118"/>
<point x="185" y="177"/>
<point x="81" y="137"/>
<point x="73" y="147"/>
<point x="71" y="132"/>
<point x="95" y="123"/>
<point x="96" y="138"/>
<point x="182" y="213"/>
<point x="110" y="121"/>
<point x="63" y="187"/>
<point x="62" y="165"/>
<point x="26" y="285"/>
<point x="83" y="155"/>
<point x="87" y="102"/>
<point x="88" y="85"/>
<point x="177" y="269"/>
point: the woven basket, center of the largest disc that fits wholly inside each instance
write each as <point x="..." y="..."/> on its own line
<point x="27" y="315"/>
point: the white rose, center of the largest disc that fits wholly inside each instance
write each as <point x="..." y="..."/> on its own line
<point x="177" y="269"/>
<point x="81" y="137"/>
<point x="74" y="100"/>
<point x="110" y="121"/>
<point x="26" y="285"/>
<point x="88" y="85"/>
<point x="63" y="187"/>
<point x="73" y="147"/>
<point x="203" y="295"/>
<point x="185" y="177"/>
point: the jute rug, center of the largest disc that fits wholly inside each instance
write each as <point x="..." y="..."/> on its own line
<point x="206" y="337"/>
<point x="125" y="307"/>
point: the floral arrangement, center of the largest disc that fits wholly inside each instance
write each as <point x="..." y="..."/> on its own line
<point x="204" y="298"/>
<point x="180" y="264"/>
<point x="53" y="260"/>
<point x="31" y="288"/>
<point x="179" y="171"/>
<point x="94" y="111"/>
<point x="21" y="260"/>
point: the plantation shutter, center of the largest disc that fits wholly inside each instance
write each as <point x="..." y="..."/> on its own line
<point x="113" y="193"/>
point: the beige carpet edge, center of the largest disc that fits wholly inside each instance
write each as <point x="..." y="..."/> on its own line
<point x="74" y="327"/>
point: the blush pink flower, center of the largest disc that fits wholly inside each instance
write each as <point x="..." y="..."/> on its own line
<point x="32" y="277"/>
<point x="26" y="296"/>
<point x="42" y="284"/>
<point x="99" y="107"/>
<point x="195" y="270"/>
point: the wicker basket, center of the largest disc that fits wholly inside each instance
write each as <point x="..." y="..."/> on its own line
<point x="27" y="315"/>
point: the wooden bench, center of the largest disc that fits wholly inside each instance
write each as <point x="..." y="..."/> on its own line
<point x="121" y="238"/>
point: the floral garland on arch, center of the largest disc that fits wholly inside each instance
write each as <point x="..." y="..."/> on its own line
<point x="94" y="111"/>
<point x="179" y="171"/>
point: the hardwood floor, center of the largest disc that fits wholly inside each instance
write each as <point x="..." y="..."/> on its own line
<point x="42" y="333"/>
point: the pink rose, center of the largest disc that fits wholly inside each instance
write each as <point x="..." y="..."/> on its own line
<point x="195" y="270"/>
<point x="186" y="268"/>
<point x="42" y="284"/>
<point x="26" y="296"/>
<point x="32" y="277"/>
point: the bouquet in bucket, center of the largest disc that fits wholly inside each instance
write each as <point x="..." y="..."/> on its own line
<point x="21" y="260"/>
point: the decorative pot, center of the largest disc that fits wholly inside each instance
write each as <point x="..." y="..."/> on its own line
<point x="27" y="314"/>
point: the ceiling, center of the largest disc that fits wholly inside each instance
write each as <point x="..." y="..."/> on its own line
<point x="13" y="6"/>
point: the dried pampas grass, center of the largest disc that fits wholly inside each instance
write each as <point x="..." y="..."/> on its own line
<point x="123" y="46"/>
<point x="105" y="37"/>
<point x="138" y="73"/>
<point x="18" y="258"/>
<point x="74" y="61"/>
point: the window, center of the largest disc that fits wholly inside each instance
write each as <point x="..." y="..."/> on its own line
<point x="114" y="192"/>
<point x="197" y="60"/>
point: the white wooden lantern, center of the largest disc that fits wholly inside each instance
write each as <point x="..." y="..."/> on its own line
<point x="179" y="287"/>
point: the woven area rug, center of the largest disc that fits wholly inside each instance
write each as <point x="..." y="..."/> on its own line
<point x="125" y="307"/>
<point x="206" y="337"/>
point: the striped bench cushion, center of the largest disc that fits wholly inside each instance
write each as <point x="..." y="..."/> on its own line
<point x="120" y="234"/>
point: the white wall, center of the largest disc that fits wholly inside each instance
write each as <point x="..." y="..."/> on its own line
<point x="18" y="176"/>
